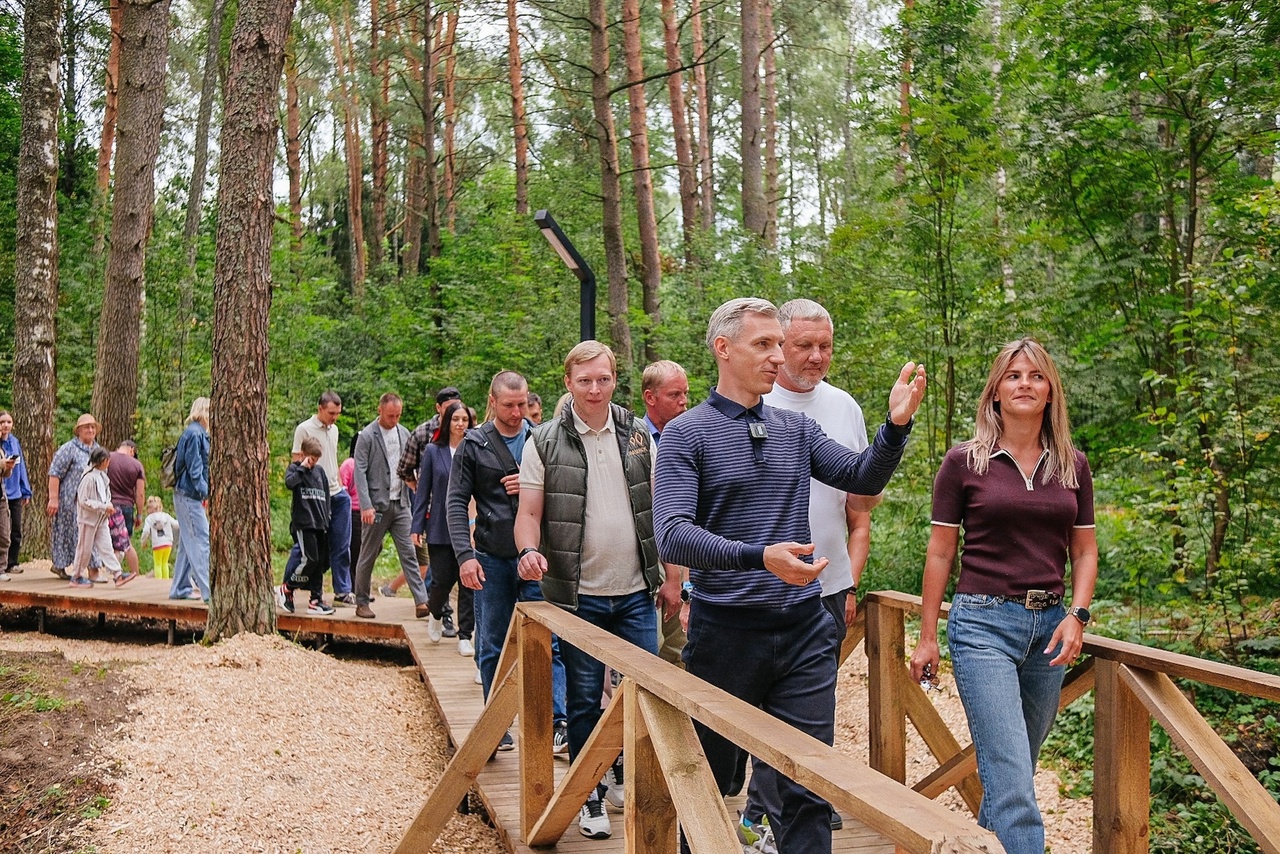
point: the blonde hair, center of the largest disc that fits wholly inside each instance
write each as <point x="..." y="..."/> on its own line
<point x="657" y="373"/>
<point x="200" y="412"/>
<point x="561" y="404"/>
<point x="1055" y="428"/>
<point x="154" y="504"/>
<point x="585" y="351"/>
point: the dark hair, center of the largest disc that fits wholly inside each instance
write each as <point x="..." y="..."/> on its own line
<point x="328" y="397"/>
<point x="446" y="423"/>
<point x="534" y="397"/>
<point x="310" y="447"/>
<point x="448" y="393"/>
<point x="97" y="455"/>
<point x="354" y="438"/>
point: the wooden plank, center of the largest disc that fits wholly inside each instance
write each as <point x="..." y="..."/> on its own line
<point x="1121" y="765"/>
<point x="649" y="814"/>
<point x="1238" y="679"/>
<point x="854" y="635"/>
<point x="1251" y="804"/>
<point x="703" y="815"/>
<point x="938" y="737"/>
<point x="602" y="747"/>
<point x="537" y="773"/>
<point x="461" y="772"/>
<point x="886" y="709"/>
<point x="888" y="807"/>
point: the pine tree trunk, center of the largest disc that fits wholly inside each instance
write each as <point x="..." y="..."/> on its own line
<point x="754" y="215"/>
<point x="706" y="185"/>
<point x="610" y="187"/>
<point x="430" y="189"/>
<point x="35" y="382"/>
<point x="144" y="55"/>
<point x="415" y="165"/>
<point x="108" y="139"/>
<point x="239" y="467"/>
<point x="680" y="128"/>
<point x="771" y="194"/>
<point x="293" y="143"/>
<point x="355" y="164"/>
<point x="518" y="119"/>
<point x="199" y="171"/>
<point x="642" y="178"/>
<point x="379" y="132"/>
<point x="451" y="119"/>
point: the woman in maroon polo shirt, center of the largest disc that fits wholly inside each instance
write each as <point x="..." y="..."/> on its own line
<point x="1024" y="496"/>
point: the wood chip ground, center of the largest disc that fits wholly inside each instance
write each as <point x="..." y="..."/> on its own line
<point x="260" y="745"/>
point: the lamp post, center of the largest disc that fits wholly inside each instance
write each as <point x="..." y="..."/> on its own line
<point x="579" y="267"/>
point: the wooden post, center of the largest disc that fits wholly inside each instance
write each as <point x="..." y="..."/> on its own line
<point x="1121" y="765"/>
<point x="173" y="632"/>
<point x="537" y="774"/>
<point x="886" y="710"/>
<point x="649" y="814"/>
<point x="40" y="614"/>
<point x="102" y="621"/>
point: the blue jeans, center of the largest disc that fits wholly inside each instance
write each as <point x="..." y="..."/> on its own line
<point x="632" y="618"/>
<point x="193" y="548"/>
<point x="339" y="544"/>
<point x="781" y="660"/>
<point x="1010" y="695"/>
<point x="495" y="602"/>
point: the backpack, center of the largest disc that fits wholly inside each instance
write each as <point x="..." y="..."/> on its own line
<point x="168" y="458"/>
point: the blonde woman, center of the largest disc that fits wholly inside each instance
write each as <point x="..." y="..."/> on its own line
<point x="1024" y="497"/>
<point x="190" y="494"/>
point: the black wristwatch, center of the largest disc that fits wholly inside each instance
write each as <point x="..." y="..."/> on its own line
<point x="1081" y="614"/>
<point x="686" y="591"/>
<point x="526" y="551"/>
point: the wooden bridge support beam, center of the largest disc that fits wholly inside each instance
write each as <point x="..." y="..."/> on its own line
<point x="1121" y="765"/>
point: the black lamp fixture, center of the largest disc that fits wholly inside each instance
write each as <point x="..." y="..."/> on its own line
<point x="578" y="266"/>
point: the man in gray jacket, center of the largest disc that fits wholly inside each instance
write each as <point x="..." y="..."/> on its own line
<point x="386" y="504"/>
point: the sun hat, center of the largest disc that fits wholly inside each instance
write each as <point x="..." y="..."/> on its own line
<point x="84" y="421"/>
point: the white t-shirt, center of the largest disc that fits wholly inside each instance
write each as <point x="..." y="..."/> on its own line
<point x="610" y="557"/>
<point x="328" y="439"/>
<point x="840" y="417"/>
<point x="391" y="441"/>
<point x="160" y="528"/>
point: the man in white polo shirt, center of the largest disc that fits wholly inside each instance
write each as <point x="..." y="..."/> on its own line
<point x="323" y="428"/>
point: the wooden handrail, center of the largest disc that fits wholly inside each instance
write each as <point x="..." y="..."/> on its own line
<point x="1239" y="679"/>
<point x="660" y="703"/>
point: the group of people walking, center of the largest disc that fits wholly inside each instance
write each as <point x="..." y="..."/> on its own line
<point x="97" y="499"/>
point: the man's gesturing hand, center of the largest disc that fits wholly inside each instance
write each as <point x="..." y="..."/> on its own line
<point x="783" y="560"/>
<point x="907" y="392"/>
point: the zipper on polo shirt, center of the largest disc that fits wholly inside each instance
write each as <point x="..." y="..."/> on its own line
<point x="1029" y="481"/>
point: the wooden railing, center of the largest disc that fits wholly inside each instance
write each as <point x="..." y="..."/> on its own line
<point x="1132" y="684"/>
<point x="669" y="782"/>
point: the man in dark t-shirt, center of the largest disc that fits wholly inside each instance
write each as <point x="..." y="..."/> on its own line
<point x="128" y="494"/>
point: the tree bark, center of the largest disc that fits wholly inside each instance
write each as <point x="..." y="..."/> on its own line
<point x="379" y="132"/>
<point x="706" y="188"/>
<point x="35" y="381"/>
<point x="108" y="139"/>
<point x="771" y="194"/>
<point x="293" y="143"/>
<point x="451" y="119"/>
<point x="430" y="188"/>
<point x="199" y="170"/>
<point x="610" y="187"/>
<point x="144" y="55"/>
<point x="239" y="467"/>
<point x="518" y="118"/>
<point x="642" y="178"/>
<point x="355" y="165"/>
<point x="680" y="129"/>
<point x="754" y="215"/>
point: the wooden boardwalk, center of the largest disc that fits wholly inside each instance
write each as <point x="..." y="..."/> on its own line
<point x="450" y="679"/>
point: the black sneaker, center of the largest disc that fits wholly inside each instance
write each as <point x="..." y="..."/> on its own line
<point x="837" y="821"/>
<point x="450" y="630"/>
<point x="560" y="740"/>
<point x="284" y="597"/>
<point x="507" y="743"/>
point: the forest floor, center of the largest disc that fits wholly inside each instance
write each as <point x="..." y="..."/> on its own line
<point x="131" y="745"/>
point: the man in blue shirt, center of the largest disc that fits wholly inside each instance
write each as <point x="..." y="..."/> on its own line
<point x="731" y="502"/>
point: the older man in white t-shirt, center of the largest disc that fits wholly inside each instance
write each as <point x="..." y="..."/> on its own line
<point x="839" y="523"/>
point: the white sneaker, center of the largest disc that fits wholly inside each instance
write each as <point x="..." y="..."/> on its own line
<point x="4" y="576"/>
<point x="614" y="788"/>
<point x="465" y="648"/>
<point x="479" y="681"/>
<point x="592" y="821"/>
<point x="435" y="630"/>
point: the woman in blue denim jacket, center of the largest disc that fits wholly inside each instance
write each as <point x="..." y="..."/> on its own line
<point x="190" y="492"/>
<point x="1024" y="496"/>
<point x="17" y="490"/>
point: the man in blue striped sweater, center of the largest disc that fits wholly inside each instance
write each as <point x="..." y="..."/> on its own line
<point x="731" y="502"/>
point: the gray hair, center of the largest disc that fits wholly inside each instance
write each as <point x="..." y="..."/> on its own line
<point x="329" y="397"/>
<point x="802" y="309"/>
<point x="726" y="321"/>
